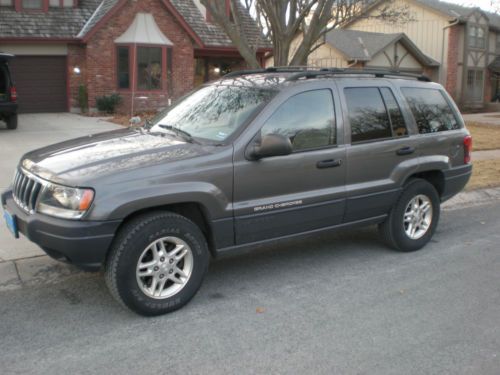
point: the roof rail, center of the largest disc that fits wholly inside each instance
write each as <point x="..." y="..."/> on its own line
<point x="272" y="69"/>
<point x="379" y="73"/>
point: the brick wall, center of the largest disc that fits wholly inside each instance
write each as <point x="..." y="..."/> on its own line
<point x="76" y="58"/>
<point x="452" y="61"/>
<point x="100" y="62"/>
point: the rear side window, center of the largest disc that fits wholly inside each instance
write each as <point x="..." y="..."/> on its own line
<point x="367" y="114"/>
<point x="308" y="119"/>
<point x="431" y="110"/>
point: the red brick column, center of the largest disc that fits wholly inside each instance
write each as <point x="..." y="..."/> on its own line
<point x="452" y="61"/>
<point x="76" y="58"/>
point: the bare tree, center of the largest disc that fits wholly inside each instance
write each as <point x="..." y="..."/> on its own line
<point x="281" y="21"/>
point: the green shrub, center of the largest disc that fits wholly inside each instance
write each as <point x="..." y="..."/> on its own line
<point x="83" y="98"/>
<point x="108" y="103"/>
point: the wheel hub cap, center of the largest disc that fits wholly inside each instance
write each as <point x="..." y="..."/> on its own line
<point x="418" y="217"/>
<point x="164" y="267"/>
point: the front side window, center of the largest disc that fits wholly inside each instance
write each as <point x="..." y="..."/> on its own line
<point x="307" y="119"/>
<point x="123" y="68"/>
<point x="367" y="114"/>
<point x="431" y="110"/>
<point x="213" y="112"/>
<point x="32" y="4"/>
<point x="149" y="68"/>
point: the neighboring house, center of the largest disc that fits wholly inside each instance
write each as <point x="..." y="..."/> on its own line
<point x="464" y="41"/>
<point x="148" y="51"/>
<point x="360" y="49"/>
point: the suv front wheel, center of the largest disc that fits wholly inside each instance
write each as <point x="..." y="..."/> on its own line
<point x="157" y="263"/>
<point x="414" y="218"/>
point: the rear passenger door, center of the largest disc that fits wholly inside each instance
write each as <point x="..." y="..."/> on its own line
<point x="380" y="151"/>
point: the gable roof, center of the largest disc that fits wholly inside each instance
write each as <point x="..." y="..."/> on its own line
<point x="363" y="45"/>
<point x="62" y="23"/>
<point x="82" y="21"/>
<point x="454" y="11"/>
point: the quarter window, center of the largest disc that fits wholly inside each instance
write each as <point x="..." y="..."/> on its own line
<point x="367" y="114"/>
<point x="431" y="110"/>
<point x="307" y="119"/>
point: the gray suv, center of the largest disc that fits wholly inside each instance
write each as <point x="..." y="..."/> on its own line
<point x="257" y="156"/>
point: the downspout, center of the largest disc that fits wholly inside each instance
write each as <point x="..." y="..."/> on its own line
<point x="440" y="78"/>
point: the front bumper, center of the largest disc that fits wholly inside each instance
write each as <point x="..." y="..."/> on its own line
<point x="82" y="243"/>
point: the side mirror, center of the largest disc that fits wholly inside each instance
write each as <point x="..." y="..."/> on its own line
<point x="271" y="145"/>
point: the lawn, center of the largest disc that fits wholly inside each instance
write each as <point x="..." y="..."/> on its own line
<point x="485" y="174"/>
<point x="484" y="137"/>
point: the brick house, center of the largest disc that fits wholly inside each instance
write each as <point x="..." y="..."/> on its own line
<point x="148" y="51"/>
<point x="464" y="41"/>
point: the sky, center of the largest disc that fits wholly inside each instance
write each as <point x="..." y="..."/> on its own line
<point x="488" y="5"/>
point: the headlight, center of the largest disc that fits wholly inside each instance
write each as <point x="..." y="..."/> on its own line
<point x="64" y="202"/>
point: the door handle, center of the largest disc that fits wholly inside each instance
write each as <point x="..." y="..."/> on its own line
<point x="405" y="151"/>
<point x="330" y="163"/>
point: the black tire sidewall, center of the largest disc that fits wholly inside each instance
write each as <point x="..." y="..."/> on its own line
<point x="127" y="285"/>
<point x="11" y="122"/>
<point x="414" y="188"/>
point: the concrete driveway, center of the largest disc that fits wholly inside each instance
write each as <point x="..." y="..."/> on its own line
<point x="35" y="131"/>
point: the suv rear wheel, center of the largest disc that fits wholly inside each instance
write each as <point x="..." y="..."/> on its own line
<point x="157" y="263"/>
<point x="414" y="218"/>
<point x="11" y="122"/>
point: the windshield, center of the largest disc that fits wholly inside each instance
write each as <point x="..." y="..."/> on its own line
<point x="213" y="112"/>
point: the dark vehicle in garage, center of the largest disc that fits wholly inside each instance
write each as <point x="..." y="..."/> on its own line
<point x="8" y="93"/>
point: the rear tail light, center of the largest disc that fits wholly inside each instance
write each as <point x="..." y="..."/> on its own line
<point x="467" y="149"/>
<point x="13" y="94"/>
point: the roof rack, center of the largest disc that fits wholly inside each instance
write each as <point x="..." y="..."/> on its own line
<point x="310" y="72"/>
<point x="339" y="71"/>
<point x="272" y="69"/>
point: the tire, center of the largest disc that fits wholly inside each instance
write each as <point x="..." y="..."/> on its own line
<point x="11" y="122"/>
<point x="396" y="231"/>
<point x="137" y="250"/>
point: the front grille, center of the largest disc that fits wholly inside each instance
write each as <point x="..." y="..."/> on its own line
<point x="25" y="191"/>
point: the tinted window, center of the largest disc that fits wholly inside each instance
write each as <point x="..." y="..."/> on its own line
<point x="397" y="120"/>
<point x="307" y="119"/>
<point x="367" y="114"/>
<point x="431" y="110"/>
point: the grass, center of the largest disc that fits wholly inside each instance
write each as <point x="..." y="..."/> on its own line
<point x="485" y="174"/>
<point x="484" y="136"/>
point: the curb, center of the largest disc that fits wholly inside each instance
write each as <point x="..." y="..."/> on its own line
<point x="41" y="270"/>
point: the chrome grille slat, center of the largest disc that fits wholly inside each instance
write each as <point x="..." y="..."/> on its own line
<point x="25" y="190"/>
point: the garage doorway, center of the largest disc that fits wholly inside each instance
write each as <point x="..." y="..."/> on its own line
<point x="41" y="83"/>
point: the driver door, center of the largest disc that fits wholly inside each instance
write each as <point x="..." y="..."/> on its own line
<point x="280" y="196"/>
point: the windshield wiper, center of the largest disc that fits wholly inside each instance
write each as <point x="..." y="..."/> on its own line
<point x="184" y="134"/>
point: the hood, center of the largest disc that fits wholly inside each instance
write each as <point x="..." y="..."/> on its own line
<point x="108" y="153"/>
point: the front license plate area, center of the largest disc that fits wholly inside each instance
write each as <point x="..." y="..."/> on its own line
<point x="11" y="222"/>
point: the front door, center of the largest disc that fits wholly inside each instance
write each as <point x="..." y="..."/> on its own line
<point x="285" y="195"/>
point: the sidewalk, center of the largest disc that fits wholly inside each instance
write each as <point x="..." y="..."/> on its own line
<point x="491" y="118"/>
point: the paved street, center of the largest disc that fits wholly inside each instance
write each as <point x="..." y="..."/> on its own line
<point x="338" y="303"/>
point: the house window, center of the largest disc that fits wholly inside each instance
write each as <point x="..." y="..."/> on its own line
<point x="475" y="84"/>
<point x="123" y="67"/>
<point x="476" y="37"/>
<point x="149" y="68"/>
<point x="6" y="3"/>
<point x="32" y="4"/>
